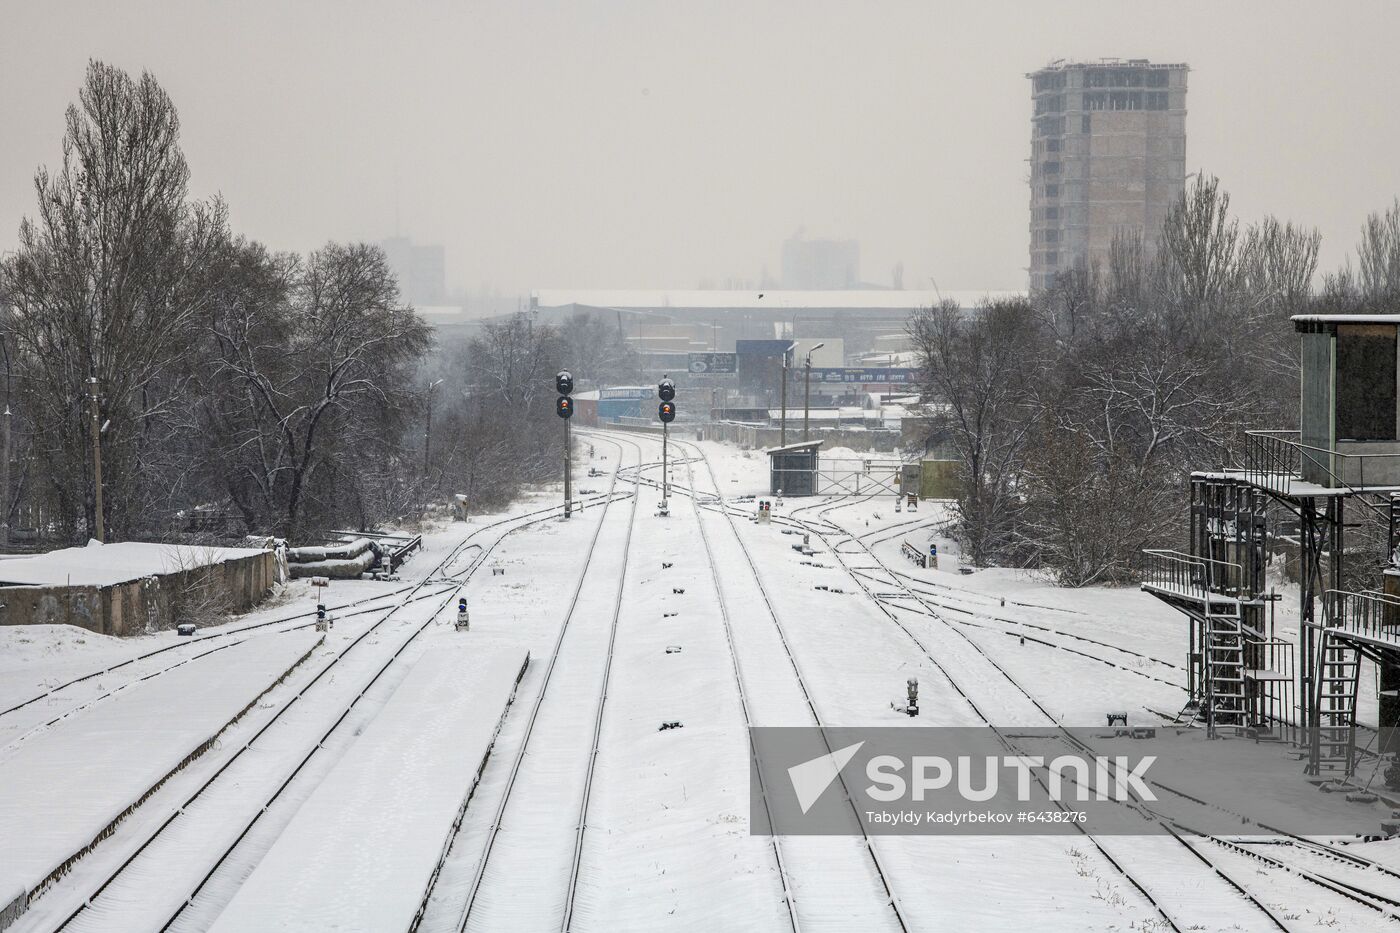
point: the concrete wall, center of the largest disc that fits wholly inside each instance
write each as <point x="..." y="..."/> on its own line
<point x="153" y="603"/>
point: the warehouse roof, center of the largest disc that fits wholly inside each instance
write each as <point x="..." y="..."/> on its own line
<point x="781" y="300"/>
<point x="108" y="564"/>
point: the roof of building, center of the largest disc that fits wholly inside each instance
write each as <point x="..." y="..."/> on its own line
<point x="793" y="448"/>
<point x="782" y="300"/>
<point x="108" y="564"/>
<point x="1067" y="64"/>
<point x="1346" y="318"/>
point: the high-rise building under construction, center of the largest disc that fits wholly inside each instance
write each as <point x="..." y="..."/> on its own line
<point x="1108" y="155"/>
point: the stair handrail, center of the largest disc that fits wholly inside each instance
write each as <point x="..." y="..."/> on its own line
<point x="1362" y="612"/>
<point x="1204" y="585"/>
<point x="1267" y="442"/>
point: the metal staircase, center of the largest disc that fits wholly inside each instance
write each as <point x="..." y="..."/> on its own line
<point x="1225" y="703"/>
<point x="1334" y="736"/>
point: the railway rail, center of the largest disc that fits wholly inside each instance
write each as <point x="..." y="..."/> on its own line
<point x="1375" y="901"/>
<point x="479" y="876"/>
<point x="426" y="588"/>
<point x="877" y="862"/>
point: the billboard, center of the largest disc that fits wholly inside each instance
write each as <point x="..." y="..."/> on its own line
<point x="863" y="374"/>
<point x="627" y="392"/>
<point x="720" y="363"/>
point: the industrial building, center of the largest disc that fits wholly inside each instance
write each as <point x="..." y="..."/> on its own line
<point x="667" y="325"/>
<point x="1108" y="156"/>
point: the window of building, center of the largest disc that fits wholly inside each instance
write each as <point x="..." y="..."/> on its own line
<point x="1365" y="380"/>
<point x="1157" y="100"/>
<point x="1052" y="213"/>
<point x="1157" y="78"/>
<point x="1084" y="124"/>
<point x="1052" y="145"/>
<point x="1052" y="191"/>
<point x="1052" y="258"/>
<point x="1052" y="168"/>
<point x="1125" y="100"/>
<point x="1052" y="236"/>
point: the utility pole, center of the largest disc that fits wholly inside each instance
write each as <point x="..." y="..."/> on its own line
<point x="5" y="478"/>
<point x="5" y="450"/>
<point x="96" y="460"/>
<point x="807" y="391"/>
<point x="428" y="429"/>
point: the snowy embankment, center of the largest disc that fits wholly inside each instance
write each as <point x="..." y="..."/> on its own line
<point x="65" y="789"/>
<point x="360" y="852"/>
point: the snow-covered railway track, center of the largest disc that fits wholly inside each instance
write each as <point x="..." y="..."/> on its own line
<point x="293" y="622"/>
<point x="1370" y="899"/>
<point x="143" y="878"/>
<point x="818" y="873"/>
<point x="139" y="678"/>
<point x="492" y="888"/>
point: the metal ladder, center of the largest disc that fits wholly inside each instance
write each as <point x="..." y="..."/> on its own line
<point x="1225" y="705"/>
<point x="1338" y="676"/>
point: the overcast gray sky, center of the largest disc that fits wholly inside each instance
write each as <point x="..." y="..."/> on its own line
<point x="656" y="144"/>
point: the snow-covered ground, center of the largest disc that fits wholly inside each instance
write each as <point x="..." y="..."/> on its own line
<point x="587" y="807"/>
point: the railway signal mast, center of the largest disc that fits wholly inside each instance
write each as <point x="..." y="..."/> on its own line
<point x="564" y="408"/>
<point x="666" y="411"/>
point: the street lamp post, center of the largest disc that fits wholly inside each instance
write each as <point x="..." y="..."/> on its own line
<point x="807" y="390"/>
<point x="96" y="461"/>
<point x="782" y="414"/>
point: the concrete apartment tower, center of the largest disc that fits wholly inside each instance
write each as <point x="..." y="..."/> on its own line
<point x="1108" y="154"/>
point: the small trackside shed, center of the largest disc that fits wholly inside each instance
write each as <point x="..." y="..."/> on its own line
<point x="792" y="470"/>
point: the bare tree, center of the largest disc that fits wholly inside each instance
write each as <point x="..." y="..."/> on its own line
<point x="975" y="374"/>
<point x="305" y="356"/>
<point x="108" y="283"/>
<point x="1379" y="255"/>
<point x="1198" y="242"/>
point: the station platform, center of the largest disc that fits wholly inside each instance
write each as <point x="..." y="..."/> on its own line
<point x="360" y="852"/>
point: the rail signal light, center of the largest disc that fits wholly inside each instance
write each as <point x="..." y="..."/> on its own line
<point x="666" y="411"/>
<point x="564" y="407"/>
<point x="666" y="390"/>
<point x="564" y="382"/>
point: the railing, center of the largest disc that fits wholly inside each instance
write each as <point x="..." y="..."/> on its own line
<point x="1375" y="615"/>
<point x="1277" y="459"/>
<point x="1191" y="575"/>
